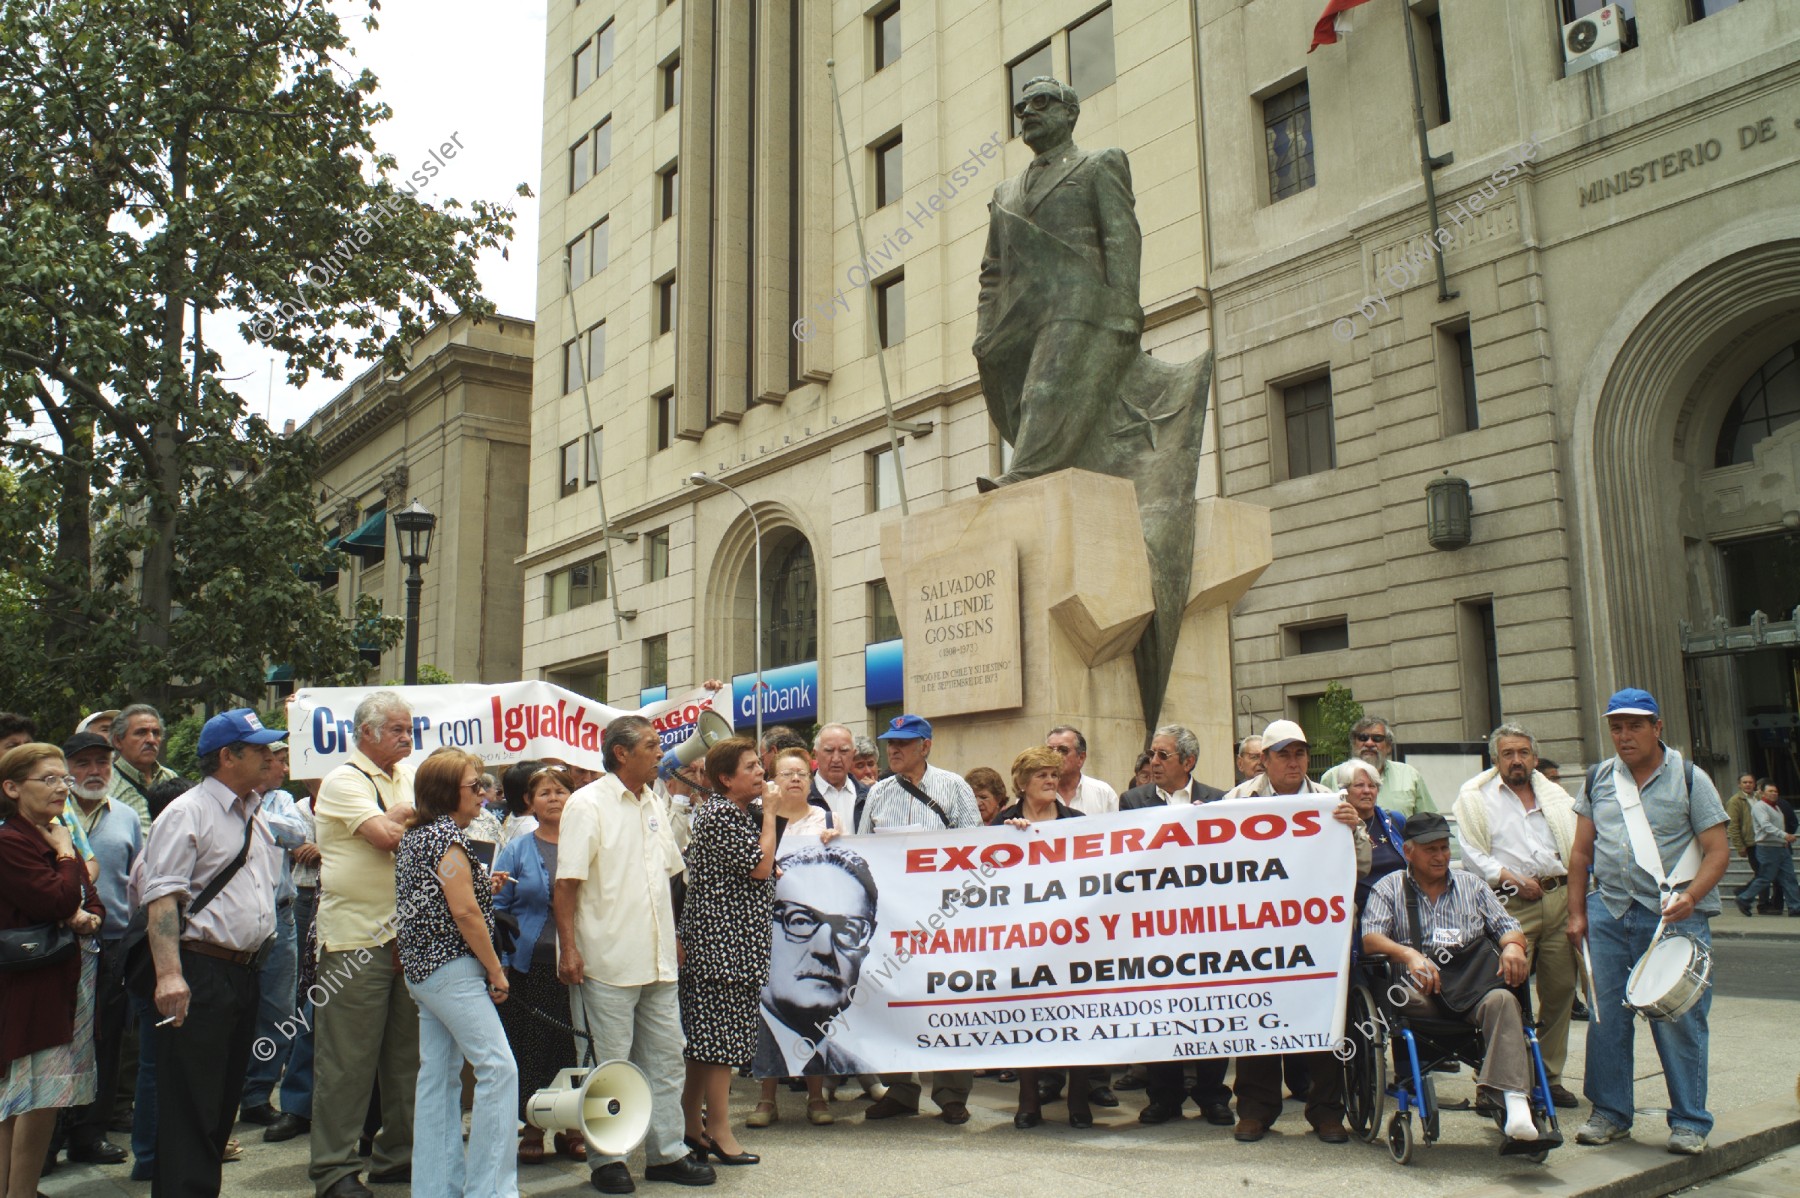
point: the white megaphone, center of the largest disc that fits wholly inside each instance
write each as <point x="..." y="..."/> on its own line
<point x="608" y="1104"/>
<point x="709" y="730"/>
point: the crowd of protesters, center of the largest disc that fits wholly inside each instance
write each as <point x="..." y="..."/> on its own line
<point x="404" y="942"/>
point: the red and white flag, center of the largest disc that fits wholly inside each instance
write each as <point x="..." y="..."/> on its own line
<point x="1332" y="23"/>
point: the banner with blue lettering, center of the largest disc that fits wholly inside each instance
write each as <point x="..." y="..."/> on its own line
<point x="499" y="723"/>
<point x="1221" y="929"/>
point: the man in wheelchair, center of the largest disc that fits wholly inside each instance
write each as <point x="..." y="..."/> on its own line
<point x="1439" y="926"/>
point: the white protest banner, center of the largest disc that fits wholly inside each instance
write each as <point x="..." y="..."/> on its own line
<point x="1220" y="929"/>
<point x="499" y="723"/>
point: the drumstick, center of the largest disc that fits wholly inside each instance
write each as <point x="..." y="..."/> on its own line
<point x="1587" y="978"/>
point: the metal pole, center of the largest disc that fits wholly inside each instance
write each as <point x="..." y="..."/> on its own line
<point x="587" y="443"/>
<point x="701" y="478"/>
<point x="414" y="584"/>
<point x="887" y="398"/>
<point x="1425" y="161"/>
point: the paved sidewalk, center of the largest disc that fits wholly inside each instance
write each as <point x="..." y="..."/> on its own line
<point x="1755" y="1059"/>
<point x="1730" y="922"/>
<point x="1777" y="1176"/>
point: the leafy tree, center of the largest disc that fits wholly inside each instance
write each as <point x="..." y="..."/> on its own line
<point x="169" y="164"/>
<point x="1338" y="712"/>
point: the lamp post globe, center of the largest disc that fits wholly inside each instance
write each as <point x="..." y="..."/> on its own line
<point x="413" y="526"/>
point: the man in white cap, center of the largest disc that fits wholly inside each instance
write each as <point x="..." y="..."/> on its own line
<point x="1678" y="818"/>
<point x="1258" y="1082"/>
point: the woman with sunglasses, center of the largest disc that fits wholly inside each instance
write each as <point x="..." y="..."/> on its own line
<point x="525" y="874"/>
<point x="725" y="939"/>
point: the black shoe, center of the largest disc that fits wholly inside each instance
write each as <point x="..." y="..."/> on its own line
<point x="1218" y="1116"/>
<point x="1579" y="1011"/>
<point x="712" y="1146"/>
<point x="697" y="1147"/>
<point x="1102" y="1096"/>
<point x="1158" y="1112"/>
<point x="613" y="1179"/>
<point x="685" y="1172"/>
<point x="286" y="1128"/>
<point x="1129" y="1081"/>
<point x="121" y="1122"/>
<point x="1050" y="1089"/>
<point x="1080" y="1117"/>
<point x="262" y="1114"/>
<point x="399" y="1174"/>
<point x="348" y="1187"/>
<point x="100" y="1152"/>
<point x="1026" y="1120"/>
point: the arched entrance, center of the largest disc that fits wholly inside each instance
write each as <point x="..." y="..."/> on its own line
<point x="1661" y="523"/>
<point x="790" y="599"/>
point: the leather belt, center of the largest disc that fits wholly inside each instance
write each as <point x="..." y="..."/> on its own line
<point x="229" y="955"/>
<point x="1549" y="884"/>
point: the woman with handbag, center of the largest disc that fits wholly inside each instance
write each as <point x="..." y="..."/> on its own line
<point x="49" y="912"/>
<point x="524" y="874"/>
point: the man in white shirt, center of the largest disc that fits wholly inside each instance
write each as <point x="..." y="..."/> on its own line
<point x="1090" y="796"/>
<point x="1517" y="830"/>
<point x="834" y="787"/>
<point x="615" y="935"/>
<point x="1173" y="753"/>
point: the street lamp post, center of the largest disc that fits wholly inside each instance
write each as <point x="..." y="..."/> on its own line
<point x="413" y="525"/>
<point x="701" y="479"/>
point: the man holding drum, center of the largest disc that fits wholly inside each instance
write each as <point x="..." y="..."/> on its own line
<point x="1653" y="828"/>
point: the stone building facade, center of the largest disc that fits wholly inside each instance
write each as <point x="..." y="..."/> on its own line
<point x="452" y="432"/>
<point x="723" y="319"/>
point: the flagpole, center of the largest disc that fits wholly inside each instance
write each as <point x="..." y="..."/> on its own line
<point x="1426" y="162"/>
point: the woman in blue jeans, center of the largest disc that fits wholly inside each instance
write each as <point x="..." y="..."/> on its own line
<point x="446" y="937"/>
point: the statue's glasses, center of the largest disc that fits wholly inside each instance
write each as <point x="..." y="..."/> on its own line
<point x="800" y="923"/>
<point x="1036" y="103"/>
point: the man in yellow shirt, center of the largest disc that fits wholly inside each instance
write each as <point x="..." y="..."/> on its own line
<point x="366" y="1025"/>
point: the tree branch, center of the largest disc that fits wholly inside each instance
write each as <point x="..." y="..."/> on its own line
<point x="117" y="419"/>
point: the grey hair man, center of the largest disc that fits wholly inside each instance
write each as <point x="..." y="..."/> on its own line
<point x="834" y="787"/>
<point x="1174" y="751"/>
<point x="865" y="764"/>
<point x="1249" y="758"/>
<point x="137" y="739"/>
<point x="1090" y="796"/>
<point x="615" y="933"/>
<point x="370" y="1028"/>
<point x="1402" y="789"/>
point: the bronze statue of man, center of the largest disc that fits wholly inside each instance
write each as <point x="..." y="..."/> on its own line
<point x="1059" y="318"/>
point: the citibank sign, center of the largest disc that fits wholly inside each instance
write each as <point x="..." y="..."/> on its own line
<point x="788" y="693"/>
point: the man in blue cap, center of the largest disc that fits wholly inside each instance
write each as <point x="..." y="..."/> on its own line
<point x="1653" y="828"/>
<point x="919" y="795"/>
<point x="211" y="844"/>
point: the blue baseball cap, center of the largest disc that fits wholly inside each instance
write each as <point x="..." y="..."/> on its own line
<point x="239" y="726"/>
<point x="1632" y="701"/>
<point x="907" y="727"/>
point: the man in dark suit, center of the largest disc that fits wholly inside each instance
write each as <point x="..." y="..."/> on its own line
<point x="1058" y="317"/>
<point x="824" y="927"/>
<point x="1173" y="752"/>
<point x="834" y="787"/>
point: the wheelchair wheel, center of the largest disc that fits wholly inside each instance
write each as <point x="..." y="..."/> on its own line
<point x="1400" y="1137"/>
<point x="1365" y="1069"/>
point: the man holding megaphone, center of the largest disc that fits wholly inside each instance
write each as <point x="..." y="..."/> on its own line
<point x="615" y="930"/>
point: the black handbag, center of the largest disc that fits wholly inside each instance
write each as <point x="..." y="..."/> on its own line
<point x="36" y="947"/>
<point x="1465" y="974"/>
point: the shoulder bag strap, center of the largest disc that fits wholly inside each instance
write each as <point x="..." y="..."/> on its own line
<point x="1643" y="839"/>
<point x="371" y="777"/>
<point x="924" y="798"/>
<point x="1415" y="925"/>
<point x="225" y="875"/>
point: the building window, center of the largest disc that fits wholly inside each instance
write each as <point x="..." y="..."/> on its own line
<point x="1020" y="73"/>
<point x="665" y="304"/>
<point x="884" y="622"/>
<point x="596" y="351"/>
<point x="1287" y="140"/>
<point x="570" y="456"/>
<point x="575" y="261"/>
<point x="1306" y="420"/>
<point x="1770" y="400"/>
<point x="790" y="604"/>
<point x="890" y="309"/>
<point x="596" y="445"/>
<point x="668" y="192"/>
<point x="593" y="59"/>
<point x="1091" y="54"/>
<point x="1327" y="637"/>
<point x="889" y="182"/>
<point x="1428" y="28"/>
<point x="594" y="250"/>
<point x="887" y="37"/>
<point x="591" y="155"/>
<point x="671" y="84"/>
<point x="571" y="367"/>
<point x="576" y="586"/>
<point x="1480" y="652"/>
<point x="656" y="662"/>
<point x="587" y="680"/>
<point x="1706" y="8"/>
<point x="662" y="419"/>
<point x="656" y="555"/>
<point x="1456" y="379"/>
<point x="1576" y="9"/>
<point x="604" y="39"/>
<point x="884" y="483"/>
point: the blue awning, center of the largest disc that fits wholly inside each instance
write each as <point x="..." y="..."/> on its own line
<point x="279" y="674"/>
<point x="371" y="536"/>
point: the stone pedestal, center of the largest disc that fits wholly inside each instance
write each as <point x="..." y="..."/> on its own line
<point x="1066" y="632"/>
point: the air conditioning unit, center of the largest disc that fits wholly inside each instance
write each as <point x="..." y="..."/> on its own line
<point x="1602" y="34"/>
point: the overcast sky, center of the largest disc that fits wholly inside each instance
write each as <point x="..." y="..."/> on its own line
<point x="446" y="67"/>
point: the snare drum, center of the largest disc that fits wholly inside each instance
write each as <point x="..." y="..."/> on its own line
<point x="1669" y="979"/>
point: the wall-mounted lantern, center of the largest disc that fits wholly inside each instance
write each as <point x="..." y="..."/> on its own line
<point x="1447" y="512"/>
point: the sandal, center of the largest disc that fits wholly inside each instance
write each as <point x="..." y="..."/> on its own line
<point x="818" y="1113"/>
<point x="573" y="1147"/>
<point x="233" y="1152"/>
<point x="531" y="1146"/>
<point x="762" y="1115"/>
